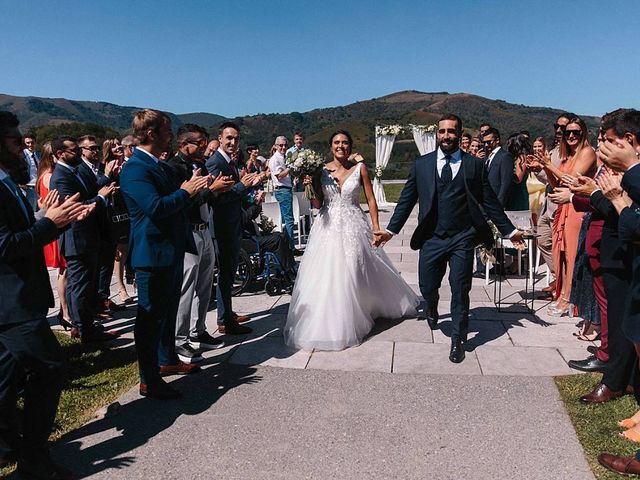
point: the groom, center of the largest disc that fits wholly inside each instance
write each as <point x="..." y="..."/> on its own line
<point x="455" y="199"/>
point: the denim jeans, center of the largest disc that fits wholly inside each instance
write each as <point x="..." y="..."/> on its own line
<point x="285" y="199"/>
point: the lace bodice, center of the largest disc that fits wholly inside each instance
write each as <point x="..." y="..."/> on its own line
<point x="347" y="196"/>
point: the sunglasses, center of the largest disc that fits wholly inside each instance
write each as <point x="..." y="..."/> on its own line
<point x="200" y="143"/>
<point x="282" y="145"/>
<point x="93" y="148"/>
<point x="576" y="133"/>
<point x="557" y="126"/>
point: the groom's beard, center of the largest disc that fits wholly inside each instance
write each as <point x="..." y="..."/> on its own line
<point x="449" y="146"/>
<point x="18" y="170"/>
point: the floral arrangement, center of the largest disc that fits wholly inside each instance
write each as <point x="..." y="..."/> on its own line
<point x="427" y="128"/>
<point x="393" y="130"/>
<point x="377" y="172"/>
<point x="302" y="163"/>
<point x="266" y="225"/>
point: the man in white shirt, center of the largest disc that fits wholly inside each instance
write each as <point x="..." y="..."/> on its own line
<point x="282" y="186"/>
<point x="33" y="159"/>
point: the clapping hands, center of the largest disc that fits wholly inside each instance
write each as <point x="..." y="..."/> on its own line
<point x="71" y="210"/>
<point x="196" y="183"/>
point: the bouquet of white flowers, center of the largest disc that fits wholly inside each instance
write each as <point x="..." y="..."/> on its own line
<point x="304" y="162"/>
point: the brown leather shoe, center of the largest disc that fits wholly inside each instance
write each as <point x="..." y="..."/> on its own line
<point x="180" y="368"/>
<point x="601" y="394"/>
<point x="550" y="288"/>
<point x="622" y="465"/>
<point x="241" y="318"/>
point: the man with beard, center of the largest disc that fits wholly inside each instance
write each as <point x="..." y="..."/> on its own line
<point x="27" y="345"/>
<point x="455" y="197"/>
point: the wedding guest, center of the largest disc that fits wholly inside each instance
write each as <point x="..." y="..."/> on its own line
<point x="283" y="186"/>
<point x="33" y="159"/>
<point x="465" y="141"/>
<point x="191" y="332"/>
<point x="499" y="165"/>
<point x="298" y="142"/>
<point x="227" y="221"/>
<point x="212" y="147"/>
<point x="577" y="158"/>
<point x="79" y="241"/>
<point x="52" y="256"/>
<point x="113" y="157"/>
<point x="128" y="143"/>
<point x="474" y="146"/>
<point x="29" y="352"/>
<point x="545" y="219"/>
<point x="535" y="187"/>
<point x="518" y="147"/>
<point x="484" y="129"/>
<point x="160" y="235"/>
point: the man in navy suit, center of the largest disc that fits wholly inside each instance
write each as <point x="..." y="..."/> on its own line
<point x="499" y="164"/>
<point x="455" y="198"/>
<point x="227" y="220"/>
<point x="27" y="345"/>
<point x="160" y="234"/>
<point x="79" y="241"/>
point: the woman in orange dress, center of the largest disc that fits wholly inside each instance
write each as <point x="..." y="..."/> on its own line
<point x="578" y="158"/>
<point x="52" y="256"/>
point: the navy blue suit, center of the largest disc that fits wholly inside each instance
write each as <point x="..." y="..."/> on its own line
<point x="79" y="244"/>
<point x="500" y="175"/>
<point x="227" y="221"/>
<point x="159" y="236"/>
<point x="27" y="344"/>
<point x="449" y="237"/>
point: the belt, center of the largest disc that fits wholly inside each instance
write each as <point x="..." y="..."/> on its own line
<point x="199" y="227"/>
<point x="282" y="187"/>
<point x="120" y="218"/>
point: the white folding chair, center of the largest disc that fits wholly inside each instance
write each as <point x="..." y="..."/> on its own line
<point x="272" y="210"/>
<point x="304" y="210"/>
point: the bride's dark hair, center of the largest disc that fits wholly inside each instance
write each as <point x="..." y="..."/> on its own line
<point x="346" y="134"/>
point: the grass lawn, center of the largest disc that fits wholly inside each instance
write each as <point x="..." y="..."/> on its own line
<point x="95" y="378"/>
<point x="596" y="425"/>
<point x="391" y="191"/>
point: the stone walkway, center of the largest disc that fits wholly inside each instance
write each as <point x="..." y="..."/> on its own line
<point x="261" y="411"/>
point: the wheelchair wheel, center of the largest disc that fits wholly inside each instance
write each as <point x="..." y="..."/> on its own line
<point x="244" y="274"/>
<point x="272" y="287"/>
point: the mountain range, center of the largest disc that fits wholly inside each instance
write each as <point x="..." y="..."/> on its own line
<point x="359" y="118"/>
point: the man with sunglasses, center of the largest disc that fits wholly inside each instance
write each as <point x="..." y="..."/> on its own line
<point x="545" y="219"/>
<point x="197" y="281"/>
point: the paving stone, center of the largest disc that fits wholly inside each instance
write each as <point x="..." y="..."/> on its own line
<point x="575" y="353"/>
<point x="402" y="331"/>
<point x="524" y="361"/>
<point x="480" y="333"/>
<point x="269" y="351"/>
<point x="525" y="333"/>
<point x="371" y="356"/>
<point x="430" y="358"/>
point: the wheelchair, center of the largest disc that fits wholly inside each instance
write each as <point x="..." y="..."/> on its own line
<point x="256" y="267"/>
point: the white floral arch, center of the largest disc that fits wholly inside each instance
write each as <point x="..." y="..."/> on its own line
<point x="423" y="135"/>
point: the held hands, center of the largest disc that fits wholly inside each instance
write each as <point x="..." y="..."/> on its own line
<point x="69" y="211"/>
<point x="196" y="183"/>
<point x="585" y="186"/>
<point x="560" y="195"/>
<point x="222" y="183"/>
<point x="381" y="237"/>
<point x="618" y="155"/>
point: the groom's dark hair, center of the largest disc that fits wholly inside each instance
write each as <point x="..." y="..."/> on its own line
<point x="451" y="116"/>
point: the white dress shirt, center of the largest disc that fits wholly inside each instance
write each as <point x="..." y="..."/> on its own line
<point x="94" y="168"/>
<point x="454" y="163"/>
<point x="491" y="155"/>
<point x="153" y="157"/>
<point x="32" y="159"/>
<point x="277" y="165"/>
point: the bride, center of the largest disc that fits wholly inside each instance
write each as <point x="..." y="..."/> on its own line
<point x="343" y="282"/>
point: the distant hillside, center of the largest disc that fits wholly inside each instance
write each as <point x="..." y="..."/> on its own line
<point x="358" y="118"/>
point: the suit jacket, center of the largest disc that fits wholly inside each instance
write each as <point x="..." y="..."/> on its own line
<point x="227" y="206"/>
<point x="421" y="187"/>
<point x="183" y="171"/>
<point x="25" y="289"/>
<point x="500" y="175"/>
<point x="160" y="232"/>
<point x="78" y="238"/>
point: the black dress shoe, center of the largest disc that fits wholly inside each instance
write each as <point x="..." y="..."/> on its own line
<point x="590" y="364"/>
<point x="160" y="390"/>
<point x="432" y="317"/>
<point x="457" y="353"/>
<point x="234" y="328"/>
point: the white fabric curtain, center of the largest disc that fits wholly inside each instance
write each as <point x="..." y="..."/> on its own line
<point x="426" y="142"/>
<point x="384" y="144"/>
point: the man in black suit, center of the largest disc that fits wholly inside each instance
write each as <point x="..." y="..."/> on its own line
<point x="27" y="345"/>
<point x="227" y="221"/>
<point x="499" y="164"/>
<point x="79" y="242"/>
<point x="455" y="197"/>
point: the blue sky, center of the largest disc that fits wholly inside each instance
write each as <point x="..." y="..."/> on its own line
<point x="245" y="57"/>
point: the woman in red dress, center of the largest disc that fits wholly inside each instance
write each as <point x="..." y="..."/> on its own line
<point x="52" y="256"/>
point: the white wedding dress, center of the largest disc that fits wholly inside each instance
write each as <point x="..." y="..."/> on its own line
<point x="343" y="283"/>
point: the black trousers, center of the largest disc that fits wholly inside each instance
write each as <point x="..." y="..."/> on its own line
<point x="30" y="348"/>
<point x="81" y="291"/>
<point x="622" y="367"/>
<point x="435" y="254"/>
<point x="228" y="254"/>
<point x="106" y="259"/>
